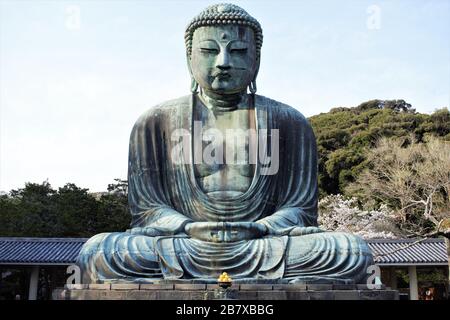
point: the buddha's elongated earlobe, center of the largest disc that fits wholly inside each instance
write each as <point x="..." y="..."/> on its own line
<point x="252" y="86"/>
<point x="194" y="85"/>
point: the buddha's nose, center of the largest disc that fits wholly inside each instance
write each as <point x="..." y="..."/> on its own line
<point x="223" y="60"/>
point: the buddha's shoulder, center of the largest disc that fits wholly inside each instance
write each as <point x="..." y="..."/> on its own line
<point x="164" y="109"/>
<point x="282" y="111"/>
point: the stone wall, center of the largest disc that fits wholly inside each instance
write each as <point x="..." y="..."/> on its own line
<point x="190" y="291"/>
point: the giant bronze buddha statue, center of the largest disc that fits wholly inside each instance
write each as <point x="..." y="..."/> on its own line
<point x="196" y="210"/>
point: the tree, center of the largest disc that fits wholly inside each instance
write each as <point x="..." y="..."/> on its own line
<point x="77" y="211"/>
<point x="344" y="215"/>
<point x="411" y="178"/>
<point x="31" y="211"/>
<point x="120" y="186"/>
<point x="37" y="210"/>
<point x="396" y="105"/>
<point x="344" y="136"/>
<point x="114" y="214"/>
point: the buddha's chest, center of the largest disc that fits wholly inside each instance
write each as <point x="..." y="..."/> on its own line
<point x="225" y="151"/>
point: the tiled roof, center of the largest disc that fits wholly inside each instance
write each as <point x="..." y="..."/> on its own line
<point x="409" y="251"/>
<point x="40" y="250"/>
<point x="65" y="251"/>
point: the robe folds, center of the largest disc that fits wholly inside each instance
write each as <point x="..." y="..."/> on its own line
<point x="164" y="196"/>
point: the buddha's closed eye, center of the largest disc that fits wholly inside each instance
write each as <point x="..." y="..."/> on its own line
<point x="209" y="50"/>
<point x="239" y="50"/>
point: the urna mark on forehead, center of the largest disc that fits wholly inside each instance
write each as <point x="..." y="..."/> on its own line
<point x="224" y="33"/>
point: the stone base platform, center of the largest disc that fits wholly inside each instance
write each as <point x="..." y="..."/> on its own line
<point x="197" y="291"/>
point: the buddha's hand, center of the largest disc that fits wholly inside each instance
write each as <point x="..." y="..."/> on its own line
<point x="150" y="231"/>
<point x="225" y="231"/>
<point x="301" y="231"/>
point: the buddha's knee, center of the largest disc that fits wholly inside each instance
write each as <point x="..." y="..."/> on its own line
<point x="337" y="243"/>
<point x="328" y="256"/>
<point x="117" y="255"/>
<point x="117" y="244"/>
<point x="351" y="242"/>
<point x="91" y="252"/>
<point x="93" y="244"/>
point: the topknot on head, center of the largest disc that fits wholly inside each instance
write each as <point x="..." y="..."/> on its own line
<point x="222" y="14"/>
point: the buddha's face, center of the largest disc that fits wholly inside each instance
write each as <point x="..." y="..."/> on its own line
<point x="223" y="58"/>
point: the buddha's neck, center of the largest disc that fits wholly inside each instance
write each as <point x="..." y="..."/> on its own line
<point x="221" y="102"/>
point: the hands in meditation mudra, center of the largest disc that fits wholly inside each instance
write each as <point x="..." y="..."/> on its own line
<point x="196" y="210"/>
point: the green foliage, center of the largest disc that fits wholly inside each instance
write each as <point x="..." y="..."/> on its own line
<point x="40" y="211"/>
<point x="424" y="276"/>
<point x="344" y="136"/>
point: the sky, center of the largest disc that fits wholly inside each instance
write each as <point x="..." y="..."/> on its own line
<point x="75" y="75"/>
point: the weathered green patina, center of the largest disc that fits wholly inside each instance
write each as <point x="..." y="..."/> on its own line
<point x="223" y="179"/>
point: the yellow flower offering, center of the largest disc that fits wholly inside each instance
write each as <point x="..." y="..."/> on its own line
<point x="224" y="277"/>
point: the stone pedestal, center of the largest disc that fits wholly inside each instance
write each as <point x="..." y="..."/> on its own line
<point x="198" y="291"/>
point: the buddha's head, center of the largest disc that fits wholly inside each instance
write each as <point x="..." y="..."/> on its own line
<point x="223" y="45"/>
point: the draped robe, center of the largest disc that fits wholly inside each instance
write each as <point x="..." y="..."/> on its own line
<point x="164" y="196"/>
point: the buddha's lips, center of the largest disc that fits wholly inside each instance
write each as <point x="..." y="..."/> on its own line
<point x="222" y="75"/>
